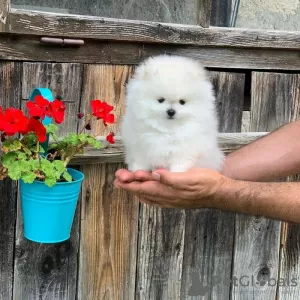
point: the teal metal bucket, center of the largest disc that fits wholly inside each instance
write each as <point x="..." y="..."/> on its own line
<point x="48" y="212"/>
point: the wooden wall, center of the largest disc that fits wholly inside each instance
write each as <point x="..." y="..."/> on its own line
<point x="121" y="250"/>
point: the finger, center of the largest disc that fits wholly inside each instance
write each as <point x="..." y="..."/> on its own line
<point x="173" y="179"/>
<point x="143" y="175"/>
<point x="125" y="175"/>
<point x="149" y="188"/>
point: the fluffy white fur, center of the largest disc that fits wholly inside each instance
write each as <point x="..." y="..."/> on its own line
<point x="151" y="138"/>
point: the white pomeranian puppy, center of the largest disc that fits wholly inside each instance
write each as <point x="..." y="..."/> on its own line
<point x="170" y="119"/>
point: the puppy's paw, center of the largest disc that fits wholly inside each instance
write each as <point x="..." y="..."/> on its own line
<point x="138" y="167"/>
<point x="179" y="168"/>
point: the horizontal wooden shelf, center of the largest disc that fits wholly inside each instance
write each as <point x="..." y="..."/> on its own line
<point x="51" y="24"/>
<point x="115" y="153"/>
<point x="29" y="48"/>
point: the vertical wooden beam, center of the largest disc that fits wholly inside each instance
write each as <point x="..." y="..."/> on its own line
<point x="160" y="253"/>
<point x="49" y="270"/>
<point x="257" y="241"/>
<point x="204" y="12"/>
<point x="209" y="234"/>
<point x="109" y="225"/>
<point x="4" y="10"/>
<point x="10" y="95"/>
<point x="280" y="106"/>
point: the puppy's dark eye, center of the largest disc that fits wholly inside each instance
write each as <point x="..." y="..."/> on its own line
<point x="161" y="100"/>
<point x="182" y="102"/>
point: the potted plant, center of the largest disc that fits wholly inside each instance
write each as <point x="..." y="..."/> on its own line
<point x="49" y="189"/>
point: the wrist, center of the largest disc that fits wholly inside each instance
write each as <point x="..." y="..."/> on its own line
<point x="228" y="194"/>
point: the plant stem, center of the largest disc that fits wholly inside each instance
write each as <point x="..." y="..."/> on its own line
<point x="87" y="121"/>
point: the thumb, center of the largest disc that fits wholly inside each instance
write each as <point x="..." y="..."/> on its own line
<point x="167" y="177"/>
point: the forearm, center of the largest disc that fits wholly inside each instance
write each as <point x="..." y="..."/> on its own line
<point x="269" y="158"/>
<point x="275" y="200"/>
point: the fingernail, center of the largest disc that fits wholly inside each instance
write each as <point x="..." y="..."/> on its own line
<point x="156" y="176"/>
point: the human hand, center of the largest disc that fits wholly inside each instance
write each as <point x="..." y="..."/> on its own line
<point x="196" y="188"/>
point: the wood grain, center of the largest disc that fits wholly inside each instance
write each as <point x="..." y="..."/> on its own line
<point x="42" y="23"/>
<point x="208" y="251"/>
<point x="109" y="229"/>
<point x="115" y="153"/>
<point x="63" y="80"/>
<point x="28" y="48"/>
<point x="160" y="253"/>
<point x="258" y="238"/>
<point x="10" y="95"/>
<point x="280" y="110"/>
<point x="49" y="270"/>
<point x="4" y="10"/>
<point x="204" y="12"/>
<point x="229" y="98"/>
<point x="107" y="83"/>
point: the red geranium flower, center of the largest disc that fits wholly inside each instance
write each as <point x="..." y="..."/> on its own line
<point x="38" y="108"/>
<point x="110" y="118"/>
<point x="57" y="111"/>
<point x="100" y="109"/>
<point x="110" y="138"/>
<point x="38" y="128"/>
<point x="13" y="121"/>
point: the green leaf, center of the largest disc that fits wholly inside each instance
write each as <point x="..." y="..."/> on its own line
<point x="11" y="145"/>
<point x="21" y="155"/>
<point x="51" y="128"/>
<point x="46" y="167"/>
<point x="60" y="168"/>
<point x="34" y="164"/>
<point x="24" y="165"/>
<point x="14" y="171"/>
<point x="50" y="181"/>
<point x="28" y="177"/>
<point x="67" y="176"/>
<point x="41" y="149"/>
<point x="9" y="158"/>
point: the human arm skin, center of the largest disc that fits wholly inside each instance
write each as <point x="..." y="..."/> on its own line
<point x="202" y="188"/>
<point x="272" y="157"/>
<point x="269" y="158"/>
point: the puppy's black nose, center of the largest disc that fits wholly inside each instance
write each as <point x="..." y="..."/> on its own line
<point x="171" y="112"/>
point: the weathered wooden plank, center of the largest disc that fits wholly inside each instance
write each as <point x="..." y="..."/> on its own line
<point x="49" y="270"/>
<point x="64" y="80"/>
<point x="28" y="48"/>
<point x="160" y="253"/>
<point x="170" y="11"/>
<point x="107" y="83"/>
<point x="109" y="229"/>
<point x="10" y="95"/>
<point x="257" y="239"/>
<point x="115" y="153"/>
<point x="208" y="250"/>
<point x="230" y="98"/>
<point x="288" y="91"/>
<point x="42" y="23"/>
<point x="4" y="9"/>
<point x="204" y="12"/>
<point x="207" y="257"/>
